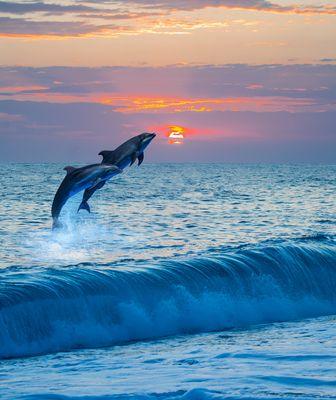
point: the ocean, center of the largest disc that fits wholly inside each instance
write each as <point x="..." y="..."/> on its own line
<point x="187" y="281"/>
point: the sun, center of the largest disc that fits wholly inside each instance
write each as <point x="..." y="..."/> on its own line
<point x="176" y="134"/>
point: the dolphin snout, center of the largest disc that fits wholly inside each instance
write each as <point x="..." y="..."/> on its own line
<point x="149" y="137"/>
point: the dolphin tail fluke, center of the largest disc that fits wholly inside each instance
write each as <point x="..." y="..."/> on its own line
<point x="84" y="205"/>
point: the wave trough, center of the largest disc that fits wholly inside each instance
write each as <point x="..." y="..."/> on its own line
<point x="50" y="310"/>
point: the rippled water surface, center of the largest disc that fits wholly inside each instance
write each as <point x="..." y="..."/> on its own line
<point x="186" y="281"/>
<point x="163" y="211"/>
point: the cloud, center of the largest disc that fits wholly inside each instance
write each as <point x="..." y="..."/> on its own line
<point x="251" y="113"/>
<point x="19" y="27"/>
<point x="199" y="4"/>
<point x="7" y="7"/>
<point x="327" y="60"/>
<point x="80" y="10"/>
<point x="77" y="132"/>
<point x="200" y="105"/>
<point x="111" y="15"/>
<point x="10" y="117"/>
<point x="258" y="5"/>
<point x="144" y="16"/>
<point x="177" y="89"/>
<point x="11" y="90"/>
<point x="83" y="23"/>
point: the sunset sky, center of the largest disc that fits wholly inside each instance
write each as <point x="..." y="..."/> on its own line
<point x="243" y="80"/>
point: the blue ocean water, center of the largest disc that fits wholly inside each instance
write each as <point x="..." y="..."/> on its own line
<point x="187" y="281"/>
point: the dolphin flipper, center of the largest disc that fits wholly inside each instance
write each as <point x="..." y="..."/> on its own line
<point x="140" y="158"/>
<point x="134" y="156"/>
<point x="88" y="194"/>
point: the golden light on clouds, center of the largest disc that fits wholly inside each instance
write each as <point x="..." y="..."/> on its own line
<point x="131" y="104"/>
<point x="166" y="32"/>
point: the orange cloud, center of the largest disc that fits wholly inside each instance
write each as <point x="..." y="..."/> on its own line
<point x="137" y="104"/>
<point x="254" y="86"/>
<point x="20" y="89"/>
<point x="164" y="17"/>
<point x="131" y="103"/>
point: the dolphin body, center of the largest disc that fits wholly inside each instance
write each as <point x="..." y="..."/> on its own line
<point x="76" y="180"/>
<point x="122" y="157"/>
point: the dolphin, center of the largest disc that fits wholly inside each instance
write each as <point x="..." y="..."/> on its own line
<point x="78" y="179"/>
<point x="122" y="157"/>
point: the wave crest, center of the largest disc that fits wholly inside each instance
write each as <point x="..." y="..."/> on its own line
<point x="61" y="309"/>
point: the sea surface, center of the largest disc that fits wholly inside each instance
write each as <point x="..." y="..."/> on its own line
<point x="187" y="281"/>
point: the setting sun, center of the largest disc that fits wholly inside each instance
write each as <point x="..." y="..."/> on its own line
<point x="176" y="134"/>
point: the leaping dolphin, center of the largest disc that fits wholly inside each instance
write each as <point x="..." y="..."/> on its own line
<point x="122" y="156"/>
<point x="78" y="179"/>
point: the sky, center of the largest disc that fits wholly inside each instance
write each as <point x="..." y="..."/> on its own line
<point x="235" y="80"/>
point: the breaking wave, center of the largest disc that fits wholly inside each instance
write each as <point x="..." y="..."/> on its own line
<point x="50" y="310"/>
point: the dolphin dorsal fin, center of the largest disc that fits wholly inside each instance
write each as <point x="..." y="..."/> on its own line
<point x="108" y="156"/>
<point x="69" y="169"/>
